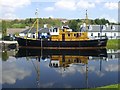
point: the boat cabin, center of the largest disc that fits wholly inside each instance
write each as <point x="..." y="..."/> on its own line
<point x="65" y="61"/>
<point x="66" y="34"/>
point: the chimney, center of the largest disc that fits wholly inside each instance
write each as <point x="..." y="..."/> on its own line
<point x="45" y="25"/>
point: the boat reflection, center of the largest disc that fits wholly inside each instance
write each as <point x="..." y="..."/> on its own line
<point x="26" y="52"/>
<point x="62" y="59"/>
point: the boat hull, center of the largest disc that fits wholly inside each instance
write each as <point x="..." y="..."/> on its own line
<point x="46" y="43"/>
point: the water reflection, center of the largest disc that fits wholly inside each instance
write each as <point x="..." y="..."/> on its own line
<point x="59" y="68"/>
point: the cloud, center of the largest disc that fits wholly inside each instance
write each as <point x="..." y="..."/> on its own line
<point x="71" y="5"/>
<point x="12" y="72"/>
<point x="108" y="18"/>
<point x="8" y="7"/>
<point x="111" y="5"/>
<point x="85" y="4"/>
<point x="65" y="4"/>
<point x="10" y="16"/>
<point x="49" y="8"/>
<point x="112" y="68"/>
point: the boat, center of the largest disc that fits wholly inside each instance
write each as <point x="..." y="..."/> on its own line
<point x="61" y="38"/>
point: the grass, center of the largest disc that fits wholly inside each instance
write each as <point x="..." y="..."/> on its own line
<point x="109" y="87"/>
<point x="113" y="44"/>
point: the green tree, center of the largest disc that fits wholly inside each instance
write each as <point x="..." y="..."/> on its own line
<point x="73" y="25"/>
<point x="4" y="29"/>
<point x="92" y="22"/>
<point x="5" y="56"/>
<point x="98" y="21"/>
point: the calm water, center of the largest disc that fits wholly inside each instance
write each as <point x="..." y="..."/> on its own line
<point x="29" y="68"/>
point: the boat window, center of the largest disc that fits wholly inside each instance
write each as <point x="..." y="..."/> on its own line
<point x="56" y="65"/>
<point x="56" y="30"/>
<point x="68" y="34"/>
<point x="68" y="60"/>
<point x="53" y="30"/>
<point x="50" y="30"/>
<point x="74" y="34"/>
<point x="77" y="34"/>
<point x="33" y="36"/>
<point x="74" y="60"/>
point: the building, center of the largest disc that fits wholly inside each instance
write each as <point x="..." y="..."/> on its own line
<point x="111" y="31"/>
<point x="31" y="33"/>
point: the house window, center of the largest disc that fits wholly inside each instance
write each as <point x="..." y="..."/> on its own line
<point x="105" y="34"/>
<point x="90" y="27"/>
<point x="113" y="27"/>
<point x="114" y="34"/>
<point x="91" y="34"/>
<point x="68" y="34"/>
<point x="104" y="27"/>
<point x="98" y="34"/>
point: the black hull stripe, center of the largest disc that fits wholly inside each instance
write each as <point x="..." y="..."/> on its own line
<point x="45" y="44"/>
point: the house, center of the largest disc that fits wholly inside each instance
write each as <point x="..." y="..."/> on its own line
<point x="111" y="31"/>
<point x="31" y="33"/>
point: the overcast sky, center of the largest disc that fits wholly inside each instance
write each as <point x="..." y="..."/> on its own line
<point x="69" y="9"/>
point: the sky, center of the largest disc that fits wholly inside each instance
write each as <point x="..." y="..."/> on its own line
<point x="69" y="9"/>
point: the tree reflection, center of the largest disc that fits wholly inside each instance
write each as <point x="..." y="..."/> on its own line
<point x="5" y="56"/>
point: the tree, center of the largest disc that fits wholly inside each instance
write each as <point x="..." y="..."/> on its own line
<point x="5" y="56"/>
<point x="98" y="21"/>
<point x="73" y="25"/>
<point x="92" y="22"/>
<point x="4" y="29"/>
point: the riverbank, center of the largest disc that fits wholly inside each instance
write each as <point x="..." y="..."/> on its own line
<point x="113" y="44"/>
<point x="108" y="87"/>
<point x="8" y="44"/>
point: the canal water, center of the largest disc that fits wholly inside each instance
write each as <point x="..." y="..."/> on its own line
<point x="35" y="68"/>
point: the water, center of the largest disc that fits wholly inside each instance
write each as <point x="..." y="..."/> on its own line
<point x="30" y="68"/>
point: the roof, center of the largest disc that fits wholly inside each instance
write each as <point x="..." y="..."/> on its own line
<point x="33" y="30"/>
<point x="96" y="28"/>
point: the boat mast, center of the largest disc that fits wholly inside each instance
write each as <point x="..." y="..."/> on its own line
<point x="86" y="21"/>
<point x="37" y="26"/>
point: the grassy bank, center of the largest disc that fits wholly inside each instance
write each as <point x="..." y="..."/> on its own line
<point x="109" y="87"/>
<point x="113" y="44"/>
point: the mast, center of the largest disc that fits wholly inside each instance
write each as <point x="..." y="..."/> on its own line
<point x="37" y="21"/>
<point x="86" y="21"/>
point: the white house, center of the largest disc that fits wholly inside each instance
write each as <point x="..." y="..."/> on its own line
<point x="111" y="31"/>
